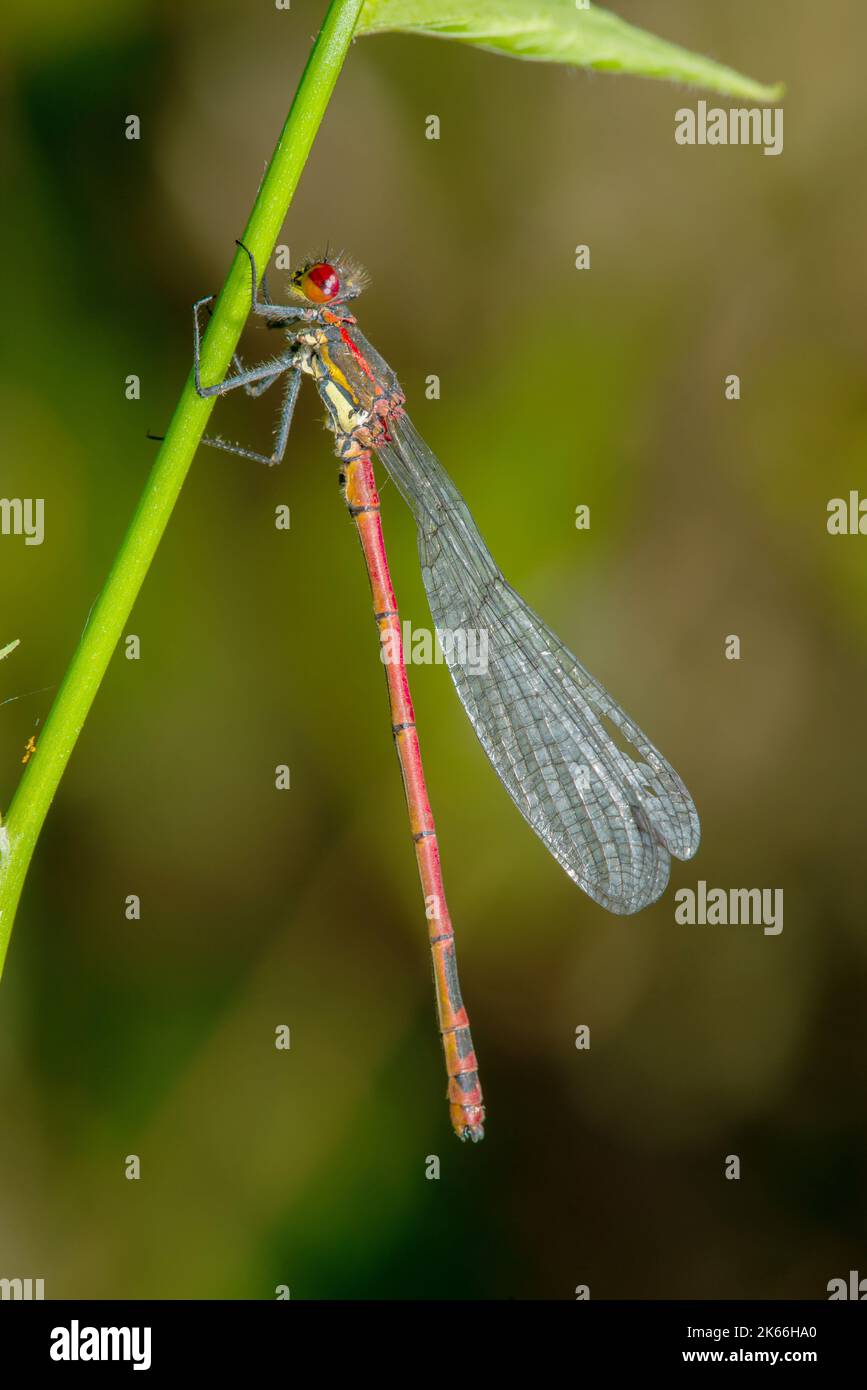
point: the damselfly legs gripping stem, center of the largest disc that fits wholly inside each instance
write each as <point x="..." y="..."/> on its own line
<point x="611" y="820"/>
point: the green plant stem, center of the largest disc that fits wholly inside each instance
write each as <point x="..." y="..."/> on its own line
<point x="114" y="605"/>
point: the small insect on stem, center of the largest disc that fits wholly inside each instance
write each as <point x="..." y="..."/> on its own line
<point x="540" y="716"/>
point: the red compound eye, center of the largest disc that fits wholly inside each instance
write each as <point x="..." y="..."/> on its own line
<point x="320" y="282"/>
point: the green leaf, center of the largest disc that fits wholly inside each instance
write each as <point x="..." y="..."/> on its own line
<point x="556" y="31"/>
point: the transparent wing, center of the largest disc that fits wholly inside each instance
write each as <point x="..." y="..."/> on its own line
<point x="555" y="737"/>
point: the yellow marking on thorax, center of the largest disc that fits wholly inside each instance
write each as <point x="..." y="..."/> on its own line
<point x="334" y="370"/>
<point x="348" y="413"/>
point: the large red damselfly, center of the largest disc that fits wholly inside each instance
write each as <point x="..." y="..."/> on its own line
<point x="553" y="734"/>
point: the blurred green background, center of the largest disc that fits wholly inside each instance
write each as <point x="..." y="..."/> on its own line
<point x="559" y="387"/>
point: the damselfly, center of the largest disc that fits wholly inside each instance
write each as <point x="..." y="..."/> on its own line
<point x="556" y="738"/>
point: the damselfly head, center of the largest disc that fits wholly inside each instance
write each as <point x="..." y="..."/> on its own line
<point x="329" y="281"/>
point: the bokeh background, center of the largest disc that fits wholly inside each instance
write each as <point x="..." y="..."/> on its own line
<point x="260" y="908"/>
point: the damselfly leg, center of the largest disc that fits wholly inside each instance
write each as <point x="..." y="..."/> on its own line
<point x="284" y="424"/>
<point x="255" y="381"/>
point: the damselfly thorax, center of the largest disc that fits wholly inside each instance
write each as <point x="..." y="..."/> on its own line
<point x="357" y="387"/>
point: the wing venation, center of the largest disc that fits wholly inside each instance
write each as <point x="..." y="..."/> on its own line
<point x="551" y="731"/>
